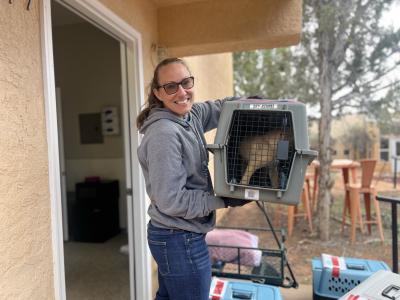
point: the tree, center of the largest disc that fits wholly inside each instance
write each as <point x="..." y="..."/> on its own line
<point x="342" y="65"/>
<point x="359" y="139"/>
<point x="386" y="110"/>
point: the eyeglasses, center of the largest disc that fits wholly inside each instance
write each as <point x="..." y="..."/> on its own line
<point x="172" y="87"/>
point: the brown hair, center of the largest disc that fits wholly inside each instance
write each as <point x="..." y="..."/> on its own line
<point x="152" y="100"/>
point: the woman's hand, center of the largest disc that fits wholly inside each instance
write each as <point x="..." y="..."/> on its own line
<point x="233" y="202"/>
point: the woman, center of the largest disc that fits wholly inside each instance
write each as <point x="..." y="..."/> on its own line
<point x="174" y="161"/>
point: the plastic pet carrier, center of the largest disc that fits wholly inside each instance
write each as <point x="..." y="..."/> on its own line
<point x="261" y="150"/>
<point x="383" y="285"/>
<point x="234" y="290"/>
<point x="334" y="276"/>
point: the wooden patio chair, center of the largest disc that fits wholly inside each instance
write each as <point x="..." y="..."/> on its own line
<point x="313" y="176"/>
<point x="365" y="188"/>
<point x="293" y="211"/>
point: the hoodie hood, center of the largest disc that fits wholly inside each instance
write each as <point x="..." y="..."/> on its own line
<point x="162" y="113"/>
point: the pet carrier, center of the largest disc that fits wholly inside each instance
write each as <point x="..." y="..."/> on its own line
<point x="382" y="285"/>
<point x="334" y="276"/>
<point x="261" y="150"/>
<point x="231" y="290"/>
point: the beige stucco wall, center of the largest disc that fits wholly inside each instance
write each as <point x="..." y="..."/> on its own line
<point x="25" y="228"/>
<point x="26" y="269"/>
<point x="210" y="26"/>
<point x="213" y="75"/>
<point x="141" y="15"/>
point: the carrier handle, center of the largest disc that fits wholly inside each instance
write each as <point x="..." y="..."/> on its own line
<point x="307" y="152"/>
<point x="392" y="292"/>
<point x="242" y="295"/>
<point x="213" y="147"/>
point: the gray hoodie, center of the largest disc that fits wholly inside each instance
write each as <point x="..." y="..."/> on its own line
<point x="174" y="161"/>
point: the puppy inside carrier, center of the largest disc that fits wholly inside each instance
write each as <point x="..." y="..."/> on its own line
<point x="261" y="150"/>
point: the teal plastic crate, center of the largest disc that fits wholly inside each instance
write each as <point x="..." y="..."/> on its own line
<point x="235" y="290"/>
<point x="333" y="283"/>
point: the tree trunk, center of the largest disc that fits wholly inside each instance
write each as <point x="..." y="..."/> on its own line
<point x="324" y="181"/>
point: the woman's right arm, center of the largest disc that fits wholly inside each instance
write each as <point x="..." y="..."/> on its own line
<point x="167" y="178"/>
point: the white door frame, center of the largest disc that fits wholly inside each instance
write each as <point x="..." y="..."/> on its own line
<point x="140" y="263"/>
<point x="63" y="182"/>
<point x="393" y="140"/>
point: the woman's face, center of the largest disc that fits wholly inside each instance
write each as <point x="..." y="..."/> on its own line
<point x="180" y="102"/>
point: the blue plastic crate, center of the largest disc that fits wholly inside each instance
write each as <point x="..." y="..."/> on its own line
<point x="329" y="283"/>
<point x="236" y="290"/>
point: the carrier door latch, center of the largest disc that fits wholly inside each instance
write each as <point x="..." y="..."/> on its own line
<point x="213" y="147"/>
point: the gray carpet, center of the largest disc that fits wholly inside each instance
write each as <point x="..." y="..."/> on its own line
<point x="97" y="270"/>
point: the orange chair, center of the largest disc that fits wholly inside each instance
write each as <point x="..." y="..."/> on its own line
<point x="292" y="212"/>
<point x="315" y="175"/>
<point x="366" y="188"/>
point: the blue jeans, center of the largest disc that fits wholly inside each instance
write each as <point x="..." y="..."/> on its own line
<point x="184" y="268"/>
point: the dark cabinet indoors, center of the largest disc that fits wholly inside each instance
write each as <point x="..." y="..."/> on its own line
<point x="95" y="213"/>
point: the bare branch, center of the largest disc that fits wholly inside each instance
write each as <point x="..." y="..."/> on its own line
<point x="341" y="37"/>
<point x="359" y="12"/>
<point x="311" y="56"/>
<point x="382" y="74"/>
<point x="342" y="101"/>
<point x="378" y="76"/>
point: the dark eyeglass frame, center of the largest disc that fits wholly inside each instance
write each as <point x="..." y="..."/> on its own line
<point x="174" y="86"/>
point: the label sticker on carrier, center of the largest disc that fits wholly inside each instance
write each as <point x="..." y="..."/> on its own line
<point x="251" y="194"/>
<point x="263" y="106"/>
<point x="218" y="289"/>
<point x="356" y="297"/>
<point x="335" y="263"/>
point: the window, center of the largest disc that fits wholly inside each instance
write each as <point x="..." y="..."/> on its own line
<point x="397" y="148"/>
<point x="384" y="151"/>
<point x="384" y="143"/>
<point x="384" y="156"/>
<point x="346" y="152"/>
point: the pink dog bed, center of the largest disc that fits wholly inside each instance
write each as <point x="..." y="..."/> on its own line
<point x="234" y="238"/>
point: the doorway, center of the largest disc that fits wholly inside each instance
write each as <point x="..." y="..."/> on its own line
<point x="87" y="68"/>
<point x="97" y="73"/>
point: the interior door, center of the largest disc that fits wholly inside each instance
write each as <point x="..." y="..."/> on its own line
<point x="126" y="120"/>
<point x="63" y="174"/>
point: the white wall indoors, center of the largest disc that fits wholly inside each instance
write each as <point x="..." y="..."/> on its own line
<point x="87" y="69"/>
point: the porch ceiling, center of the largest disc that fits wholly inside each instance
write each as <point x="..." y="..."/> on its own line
<point x="194" y="27"/>
<point x="164" y="3"/>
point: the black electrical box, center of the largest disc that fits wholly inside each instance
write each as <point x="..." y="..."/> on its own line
<point x="95" y="211"/>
